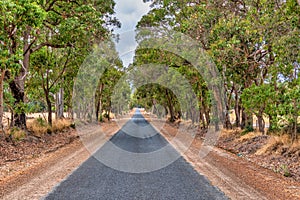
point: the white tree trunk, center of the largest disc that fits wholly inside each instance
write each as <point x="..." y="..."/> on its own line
<point x="59" y="111"/>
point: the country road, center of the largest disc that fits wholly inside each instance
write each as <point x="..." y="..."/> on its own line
<point x="135" y="177"/>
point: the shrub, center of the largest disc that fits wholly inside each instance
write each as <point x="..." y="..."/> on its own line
<point x="247" y="129"/>
<point x="38" y="127"/>
<point x="17" y="134"/>
<point x="61" y="124"/>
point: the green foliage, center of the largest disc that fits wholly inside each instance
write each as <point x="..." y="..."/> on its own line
<point x="41" y="122"/>
<point x="35" y="107"/>
<point x="37" y="29"/>
<point x="284" y="170"/>
<point x="248" y="129"/>
<point x="254" y="45"/>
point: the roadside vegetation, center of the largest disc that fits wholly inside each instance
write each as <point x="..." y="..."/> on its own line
<point x="42" y="46"/>
<point x="254" y="45"/>
<point x="279" y="153"/>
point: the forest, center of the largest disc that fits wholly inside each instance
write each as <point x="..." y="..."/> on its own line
<point x="253" y="43"/>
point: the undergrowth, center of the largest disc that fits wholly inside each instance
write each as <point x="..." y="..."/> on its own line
<point x="39" y="127"/>
<point x="17" y="134"/>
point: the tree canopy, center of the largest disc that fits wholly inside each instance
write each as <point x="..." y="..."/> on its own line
<point x="254" y="46"/>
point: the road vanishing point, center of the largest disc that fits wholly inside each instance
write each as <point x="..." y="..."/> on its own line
<point x="95" y="180"/>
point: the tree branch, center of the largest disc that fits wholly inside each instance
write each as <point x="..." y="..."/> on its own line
<point x="47" y="44"/>
<point x="51" y="5"/>
<point x="61" y="72"/>
<point x="29" y="46"/>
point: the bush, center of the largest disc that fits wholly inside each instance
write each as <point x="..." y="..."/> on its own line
<point x="247" y="129"/>
<point x="17" y="134"/>
<point x="285" y="171"/>
<point x="38" y="127"/>
<point x="61" y="124"/>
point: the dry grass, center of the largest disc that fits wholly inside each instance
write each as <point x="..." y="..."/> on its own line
<point x="249" y="136"/>
<point x="38" y="127"/>
<point x="17" y="134"/>
<point x="229" y="132"/>
<point x="295" y="146"/>
<point x="61" y="124"/>
<point x="275" y="143"/>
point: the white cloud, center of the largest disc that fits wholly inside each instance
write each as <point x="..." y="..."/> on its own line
<point x="129" y="12"/>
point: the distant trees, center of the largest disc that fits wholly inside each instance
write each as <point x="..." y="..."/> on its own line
<point x="96" y="82"/>
<point x="105" y="99"/>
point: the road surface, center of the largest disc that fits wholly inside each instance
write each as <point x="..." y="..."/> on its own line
<point x="124" y="177"/>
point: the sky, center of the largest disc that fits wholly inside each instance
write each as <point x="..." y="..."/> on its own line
<point x="129" y="12"/>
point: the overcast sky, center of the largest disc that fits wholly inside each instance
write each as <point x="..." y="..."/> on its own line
<point x="129" y="12"/>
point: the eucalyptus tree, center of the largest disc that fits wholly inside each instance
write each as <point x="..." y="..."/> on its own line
<point x="28" y="26"/>
<point x="254" y="45"/>
<point x="109" y="97"/>
<point x="48" y="69"/>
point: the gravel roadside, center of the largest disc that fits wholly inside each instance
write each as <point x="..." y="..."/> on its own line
<point x="236" y="177"/>
<point x="45" y="171"/>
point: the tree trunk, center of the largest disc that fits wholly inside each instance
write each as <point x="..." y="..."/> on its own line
<point x="294" y="135"/>
<point x="227" y="122"/>
<point x="70" y="112"/>
<point x="153" y="109"/>
<point x="97" y="110"/>
<point x="295" y="119"/>
<point x="11" y="110"/>
<point x="166" y="111"/>
<point x="59" y="112"/>
<point x="18" y="84"/>
<point x="99" y="103"/>
<point x="49" y="108"/>
<point x="206" y="114"/>
<point x="172" y="116"/>
<point x="189" y="114"/>
<point x="237" y="109"/>
<point x="261" y="123"/>
<point x="179" y="114"/>
<point x="1" y="98"/>
<point x="243" y="122"/>
<point x="193" y="115"/>
<point x="19" y="119"/>
<point x="247" y="121"/>
<point x="170" y="106"/>
<point x="202" y="120"/>
<point x="107" y="114"/>
<point x="270" y="123"/>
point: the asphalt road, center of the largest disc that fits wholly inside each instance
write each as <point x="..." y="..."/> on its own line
<point x="125" y="177"/>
